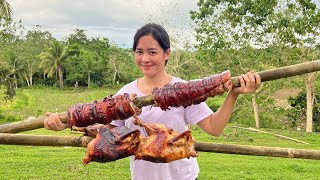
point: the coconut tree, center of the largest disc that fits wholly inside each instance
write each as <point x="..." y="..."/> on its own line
<point x="5" y="10"/>
<point x="53" y="60"/>
<point x="6" y="78"/>
<point x="16" y="67"/>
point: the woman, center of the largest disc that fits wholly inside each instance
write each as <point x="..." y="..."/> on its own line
<point x="152" y="51"/>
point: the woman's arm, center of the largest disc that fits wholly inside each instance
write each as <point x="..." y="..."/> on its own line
<point x="216" y="122"/>
<point x="53" y="122"/>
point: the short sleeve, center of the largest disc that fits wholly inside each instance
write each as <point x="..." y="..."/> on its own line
<point x="196" y="113"/>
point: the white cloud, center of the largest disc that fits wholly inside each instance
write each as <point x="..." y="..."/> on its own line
<point x="116" y="20"/>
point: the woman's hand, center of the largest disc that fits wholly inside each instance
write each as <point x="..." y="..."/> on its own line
<point x="248" y="83"/>
<point x="53" y="122"/>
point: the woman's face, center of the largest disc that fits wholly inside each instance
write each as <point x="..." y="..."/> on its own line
<point x="150" y="57"/>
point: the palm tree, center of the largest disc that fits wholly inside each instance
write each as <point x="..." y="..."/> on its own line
<point x="53" y="59"/>
<point x="7" y="80"/>
<point x="5" y="10"/>
<point x="89" y="64"/>
<point x="16" y="67"/>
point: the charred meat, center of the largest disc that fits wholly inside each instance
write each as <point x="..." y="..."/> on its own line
<point x="193" y="92"/>
<point x="111" y="145"/>
<point x="103" y="112"/>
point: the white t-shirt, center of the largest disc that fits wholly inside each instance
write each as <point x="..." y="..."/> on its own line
<point x="176" y="118"/>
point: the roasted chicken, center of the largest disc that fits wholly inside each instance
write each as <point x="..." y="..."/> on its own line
<point x="111" y="145"/>
<point x="163" y="145"/>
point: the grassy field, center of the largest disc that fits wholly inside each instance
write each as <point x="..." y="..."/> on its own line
<point x="33" y="162"/>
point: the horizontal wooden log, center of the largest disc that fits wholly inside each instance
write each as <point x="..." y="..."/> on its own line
<point x="278" y="73"/>
<point x="27" y="124"/>
<point x="258" y="150"/>
<point x="284" y="72"/>
<point x="82" y="141"/>
<point x="44" y="140"/>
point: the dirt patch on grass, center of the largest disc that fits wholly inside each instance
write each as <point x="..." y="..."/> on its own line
<point x="286" y="93"/>
<point x="281" y="96"/>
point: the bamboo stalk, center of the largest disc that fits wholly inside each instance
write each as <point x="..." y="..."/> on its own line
<point x="27" y="124"/>
<point x="44" y="140"/>
<point x="82" y="141"/>
<point x="258" y="150"/>
<point x="284" y="72"/>
<point x="140" y="102"/>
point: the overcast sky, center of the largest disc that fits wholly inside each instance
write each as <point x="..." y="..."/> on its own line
<point x="117" y="20"/>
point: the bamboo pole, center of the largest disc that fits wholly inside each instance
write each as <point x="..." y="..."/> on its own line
<point x="284" y="72"/>
<point x="82" y="141"/>
<point x="44" y="140"/>
<point x="258" y="150"/>
<point x="27" y="124"/>
<point x="268" y="75"/>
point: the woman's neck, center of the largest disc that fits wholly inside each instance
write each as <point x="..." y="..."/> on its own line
<point x="147" y="84"/>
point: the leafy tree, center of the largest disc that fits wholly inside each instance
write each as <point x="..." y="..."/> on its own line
<point x="120" y="66"/>
<point x="225" y="29"/>
<point x="5" y="10"/>
<point x="10" y="31"/>
<point x="88" y="62"/>
<point x="7" y="80"/>
<point x="53" y="60"/>
<point x="298" y="26"/>
<point x="36" y="41"/>
<point x="229" y="24"/>
<point x="16" y="66"/>
<point x="81" y="66"/>
<point x="99" y="45"/>
<point x="100" y="48"/>
<point x="5" y="21"/>
<point x="297" y="113"/>
<point x="183" y="63"/>
<point x="74" y="73"/>
<point x="79" y="37"/>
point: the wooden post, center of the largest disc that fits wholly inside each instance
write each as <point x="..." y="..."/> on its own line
<point x="269" y="75"/>
<point x="255" y="110"/>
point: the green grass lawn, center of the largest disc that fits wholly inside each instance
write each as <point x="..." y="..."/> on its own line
<point x="34" y="162"/>
<point x="37" y="101"/>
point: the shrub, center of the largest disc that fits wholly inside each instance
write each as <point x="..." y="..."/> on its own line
<point x="7" y="118"/>
<point x="297" y="115"/>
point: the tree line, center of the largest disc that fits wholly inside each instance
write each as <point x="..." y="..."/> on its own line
<point x="37" y="58"/>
